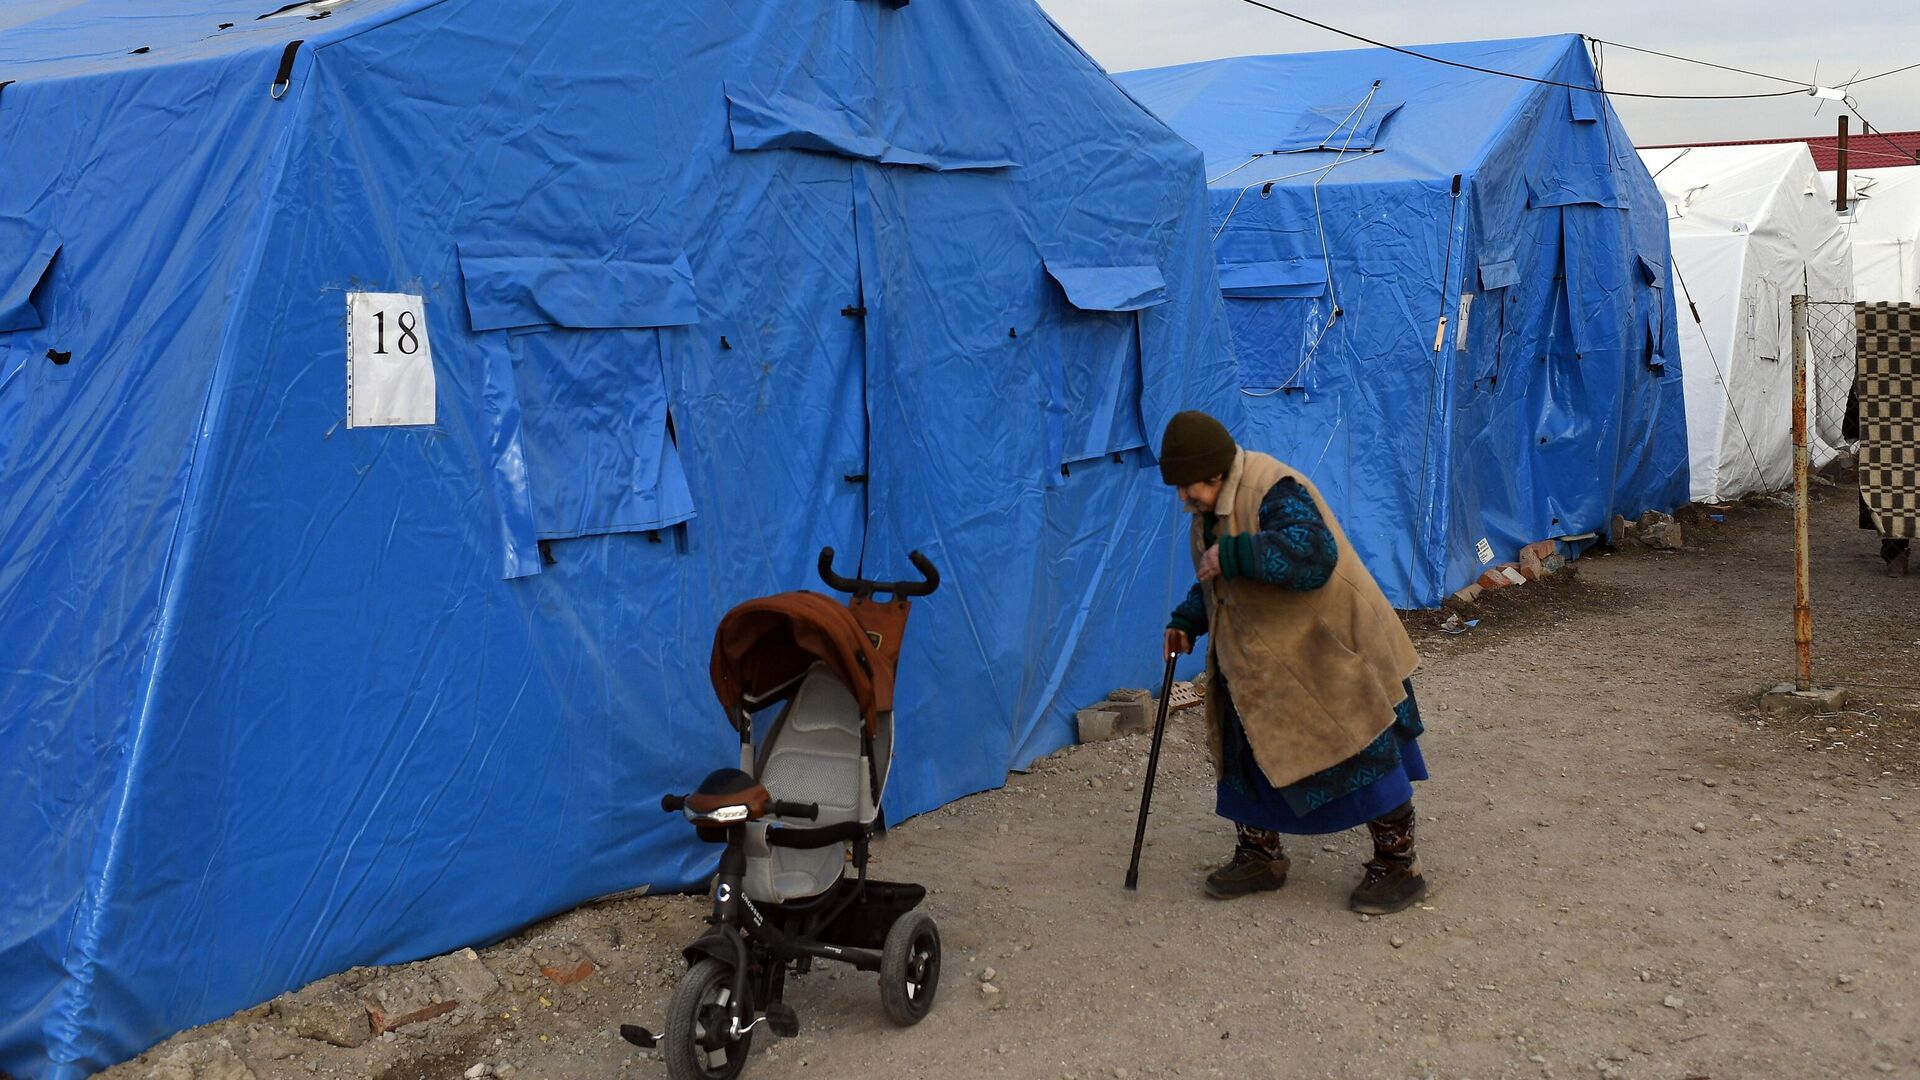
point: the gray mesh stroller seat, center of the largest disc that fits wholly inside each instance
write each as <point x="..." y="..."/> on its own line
<point x="812" y="755"/>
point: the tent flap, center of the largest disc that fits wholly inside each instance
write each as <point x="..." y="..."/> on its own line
<point x="1576" y="184"/>
<point x="1584" y="106"/>
<point x="1653" y="272"/>
<point x="1110" y="288"/>
<point x="776" y="120"/>
<point x="1499" y="275"/>
<point x="595" y="430"/>
<point x="27" y="261"/>
<point x="1272" y="280"/>
<point x="1338" y="127"/>
<point x="518" y="288"/>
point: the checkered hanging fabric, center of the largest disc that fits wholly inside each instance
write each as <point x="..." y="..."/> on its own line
<point x="1890" y="415"/>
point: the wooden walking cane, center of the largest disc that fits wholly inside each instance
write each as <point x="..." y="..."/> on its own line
<point x="1153" y="766"/>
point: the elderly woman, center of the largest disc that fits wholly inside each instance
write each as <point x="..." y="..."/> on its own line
<point x="1311" y="715"/>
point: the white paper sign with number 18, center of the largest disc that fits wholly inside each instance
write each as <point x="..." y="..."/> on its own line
<point x="389" y="363"/>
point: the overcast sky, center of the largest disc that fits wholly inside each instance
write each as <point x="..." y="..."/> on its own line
<point x="1771" y="36"/>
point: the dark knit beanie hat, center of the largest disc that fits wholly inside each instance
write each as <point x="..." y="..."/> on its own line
<point x="1196" y="447"/>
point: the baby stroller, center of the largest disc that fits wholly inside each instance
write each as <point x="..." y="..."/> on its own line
<point x="800" y="801"/>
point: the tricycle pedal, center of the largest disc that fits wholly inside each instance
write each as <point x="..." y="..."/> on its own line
<point x="639" y="1036"/>
<point x="782" y="1020"/>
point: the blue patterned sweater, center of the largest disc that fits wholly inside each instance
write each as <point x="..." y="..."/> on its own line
<point x="1294" y="549"/>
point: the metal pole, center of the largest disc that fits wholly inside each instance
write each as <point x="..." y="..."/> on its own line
<point x="1802" y="604"/>
<point x="1840" y="172"/>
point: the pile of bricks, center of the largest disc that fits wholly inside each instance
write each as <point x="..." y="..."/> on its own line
<point x="1535" y="562"/>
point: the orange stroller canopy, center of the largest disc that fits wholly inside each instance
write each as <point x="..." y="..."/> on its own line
<point x="766" y="644"/>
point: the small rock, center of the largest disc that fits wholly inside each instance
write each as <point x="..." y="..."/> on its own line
<point x="989" y="991"/>
<point x="1672" y="1001"/>
<point x="1328" y="847"/>
<point x="1859" y="1014"/>
<point x="1883" y="1066"/>
<point x="987" y="975"/>
<point x="1396" y="941"/>
<point x="1710" y="783"/>
<point x="1536" y="1059"/>
<point x="1786" y="893"/>
<point x="1663" y="536"/>
<point x="461" y="976"/>
<point x="1845" y="980"/>
<point x="1699" y="826"/>
<point x="479" y="1070"/>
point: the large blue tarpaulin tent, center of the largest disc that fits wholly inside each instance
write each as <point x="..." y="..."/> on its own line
<point x="1448" y="293"/>
<point x="638" y="306"/>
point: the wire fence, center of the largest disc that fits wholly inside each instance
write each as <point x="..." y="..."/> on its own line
<point x="1833" y="366"/>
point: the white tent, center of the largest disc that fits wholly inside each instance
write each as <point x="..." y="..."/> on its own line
<point x="1751" y="227"/>
<point x="1883" y="221"/>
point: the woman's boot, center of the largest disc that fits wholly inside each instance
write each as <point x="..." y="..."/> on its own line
<point x="1393" y="881"/>
<point x="1259" y="864"/>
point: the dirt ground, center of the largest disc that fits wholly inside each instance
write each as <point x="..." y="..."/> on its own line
<point x="1635" y="874"/>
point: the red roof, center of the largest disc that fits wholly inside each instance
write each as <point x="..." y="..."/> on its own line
<point x="1878" y="150"/>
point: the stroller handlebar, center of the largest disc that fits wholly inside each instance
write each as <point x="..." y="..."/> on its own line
<point x="930" y="579"/>
<point x="808" y="810"/>
<point x="674" y="804"/>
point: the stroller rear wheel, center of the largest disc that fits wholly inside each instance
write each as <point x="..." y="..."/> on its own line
<point x="696" y="1042"/>
<point x="910" y="968"/>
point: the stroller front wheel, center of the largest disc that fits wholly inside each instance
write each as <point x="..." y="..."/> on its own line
<point x="695" y="1042"/>
<point x="910" y="968"/>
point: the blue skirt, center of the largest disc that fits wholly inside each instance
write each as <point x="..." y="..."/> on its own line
<point x="1263" y="807"/>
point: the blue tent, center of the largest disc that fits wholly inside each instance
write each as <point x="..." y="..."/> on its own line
<point x="394" y="394"/>
<point x="1448" y="293"/>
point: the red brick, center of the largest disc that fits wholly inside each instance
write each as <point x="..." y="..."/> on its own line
<point x="574" y="974"/>
<point x="383" y="1024"/>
